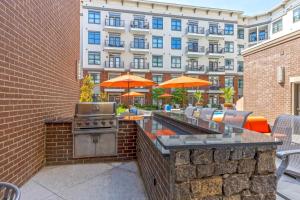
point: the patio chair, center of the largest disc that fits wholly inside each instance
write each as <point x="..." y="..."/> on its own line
<point x="9" y="191"/>
<point x="287" y="129"/>
<point x="207" y="113"/>
<point x="236" y="118"/>
<point x="188" y="112"/>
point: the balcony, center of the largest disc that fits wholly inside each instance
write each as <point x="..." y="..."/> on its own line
<point x="195" y="68"/>
<point x="114" y="24"/>
<point x="195" y="32"/>
<point x="139" y="66"/>
<point x="139" y="27"/>
<point x="115" y="46"/>
<point x="195" y="51"/>
<point x="139" y="47"/>
<point x="215" y="52"/>
<point x="215" y="34"/>
<point x="114" y="66"/>
<point x="219" y="70"/>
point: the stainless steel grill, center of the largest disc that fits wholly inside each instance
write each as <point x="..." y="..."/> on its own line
<point x="95" y="128"/>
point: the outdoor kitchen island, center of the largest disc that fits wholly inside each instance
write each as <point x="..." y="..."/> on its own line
<point x="181" y="158"/>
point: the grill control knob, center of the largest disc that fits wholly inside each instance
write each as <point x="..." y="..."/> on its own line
<point x="95" y="123"/>
<point x="103" y="122"/>
<point x="87" y="123"/>
<point x="111" y="122"/>
<point x="78" y="123"/>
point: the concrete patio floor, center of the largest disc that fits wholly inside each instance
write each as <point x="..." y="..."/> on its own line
<point x="105" y="181"/>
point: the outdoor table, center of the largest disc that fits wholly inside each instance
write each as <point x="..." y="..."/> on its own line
<point x="254" y="123"/>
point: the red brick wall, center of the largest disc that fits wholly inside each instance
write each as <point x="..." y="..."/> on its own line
<point x="59" y="143"/>
<point x="39" y="46"/>
<point x="263" y="95"/>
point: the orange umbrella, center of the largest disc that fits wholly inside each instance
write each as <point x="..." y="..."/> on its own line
<point x="184" y="82"/>
<point x="165" y="95"/>
<point x="127" y="81"/>
<point x="132" y="94"/>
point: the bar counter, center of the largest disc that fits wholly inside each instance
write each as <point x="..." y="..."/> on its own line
<point x="183" y="158"/>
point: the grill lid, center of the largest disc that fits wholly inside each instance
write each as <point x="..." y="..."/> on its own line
<point x="95" y="109"/>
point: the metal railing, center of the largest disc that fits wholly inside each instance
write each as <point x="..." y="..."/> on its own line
<point x="195" y="49"/>
<point x="113" y="43"/>
<point x="114" y="22"/>
<point x="195" y="30"/>
<point x="139" y="45"/>
<point x="113" y="64"/>
<point x="139" y="65"/>
<point x="137" y="24"/>
<point x="215" y="32"/>
<point x="216" y="69"/>
<point x="215" y="51"/>
<point x="195" y="67"/>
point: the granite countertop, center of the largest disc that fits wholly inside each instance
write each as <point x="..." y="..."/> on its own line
<point x="185" y="133"/>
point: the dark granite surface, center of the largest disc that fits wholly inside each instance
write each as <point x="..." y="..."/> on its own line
<point x="184" y="133"/>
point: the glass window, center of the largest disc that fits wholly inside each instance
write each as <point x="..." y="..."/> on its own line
<point x="228" y="81"/>
<point x="157" y="61"/>
<point x="94" y="37"/>
<point x="240" y="48"/>
<point x="157" y="23"/>
<point x="157" y="42"/>
<point x="229" y="29"/>
<point x="95" y="77"/>
<point x="252" y="37"/>
<point x="214" y="80"/>
<point x="240" y="66"/>
<point x="296" y="14"/>
<point x="175" y="62"/>
<point x="175" y="43"/>
<point x="229" y="47"/>
<point x="94" y="17"/>
<point x="241" y="34"/>
<point x="277" y="26"/>
<point x="157" y="78"/>
<point x="229" y="64"/>
<point x="94" y="58"/>
<point x="240" y="83"/>
<point x="262" y="35"/>
<point x="176" y="25"/>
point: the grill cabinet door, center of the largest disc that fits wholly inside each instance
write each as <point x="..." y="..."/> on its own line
<point x="84" y="145"/>
<point x="106" y="145"/>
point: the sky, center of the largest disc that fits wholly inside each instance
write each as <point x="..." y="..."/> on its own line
<point x="250" y="7"/>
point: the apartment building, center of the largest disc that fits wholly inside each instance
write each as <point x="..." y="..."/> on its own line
<point x="160" y="41"/>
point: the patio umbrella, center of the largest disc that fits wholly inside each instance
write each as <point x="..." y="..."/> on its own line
<point x="165" y="95"/>
<point x="132" y="94"/>
<point x="184" y="82"/>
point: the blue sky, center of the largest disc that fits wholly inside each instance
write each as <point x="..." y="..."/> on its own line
<point x="250" y="7"/>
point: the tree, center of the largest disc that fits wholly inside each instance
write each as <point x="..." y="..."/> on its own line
<point x="179" y="96"/>
<point x="103" y="97"/>
<point x="228" y="93"/>
<point x="156" y="92"/>
<point x="199" y="97"/>
<point x="86" y="90"/>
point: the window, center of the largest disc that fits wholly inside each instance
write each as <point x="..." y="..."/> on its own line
<point x="296" y="15"/>
<point x="115" y="61"/>
<point x="114" y="40"/>
<point x="114" y="20"/>
<point x="157" y="61"/>
<point x="139" y="22"/>
<point x="240" y="66"/>
<point x="157" y="23"/>
<point x="139" y="42"/>
<point x="157" y="78"/>
<point x="241" y="34"/>
<point x="113" y="75"/>
<point x="229" y="47"/>
<point x="176" y="25"/>
<point x="277" y="26"/>
<point x="94" y="58"/>
<point x="229" y="64"/>
<point x="213" y="29"/>
<point x="175" y="62"/>
<point x="95" y="77"/>
<point x="94" y="17"/>
<point x="175" y="43"/>
<point x="228" y="81"/>
<point x="94" y="37"/>
<point x="240" y="83"/>
<point x="240" y="48"/>
<point x="229" y="29"/>
<point x="157" y="42"/>
<point x="262" y="35"/>
<point x="252" y="37"/>
<point x="214" y="80"/>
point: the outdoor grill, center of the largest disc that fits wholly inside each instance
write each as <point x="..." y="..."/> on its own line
<point x="95" y="128"/>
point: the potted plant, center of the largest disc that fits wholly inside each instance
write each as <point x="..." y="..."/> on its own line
<point x="228" y="93"/>
<point x="199" y="97"/>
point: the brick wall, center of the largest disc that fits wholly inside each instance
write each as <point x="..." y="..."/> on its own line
<point x="39" y="46"/>
<point x="59" y="143"/>
<point x="262" y="94"/>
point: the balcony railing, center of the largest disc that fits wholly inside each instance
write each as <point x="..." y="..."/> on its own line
<point x="195" y="67"/>
<point x="214" y="87"/>
<point x="216" y="69"/>
<point x="215" y="51"/>
<point x="114" y="22"/>
<point x="113" y="64"/>
<point x="139" y="65"/>
<point x="139" y="24"/>
<point x="195" y="30"/>
<point x="113" y="43"/>
<point x="195" y="49"/>
<point x="215" y="32"/>
<point x="139" y="45"/>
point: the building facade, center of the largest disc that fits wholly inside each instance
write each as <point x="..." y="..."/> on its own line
<point x="160" y="41"/>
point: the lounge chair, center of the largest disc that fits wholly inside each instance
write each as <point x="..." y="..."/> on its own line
<point x="9" y="191"/>
<point x="236" y="118"/>
<point x="287" y="129"/>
